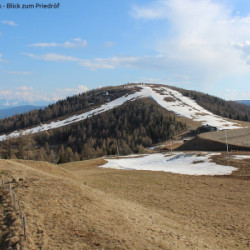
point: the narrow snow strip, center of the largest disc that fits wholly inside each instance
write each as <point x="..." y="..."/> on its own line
<point x="240" y="157"/>
<point x="180" y="105"/>
<point x="178" y="163"/>
<point x="76" y="118"/>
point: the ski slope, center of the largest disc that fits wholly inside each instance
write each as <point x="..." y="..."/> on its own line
<point x="177" y="163"/>
<point x="176" y="102"/>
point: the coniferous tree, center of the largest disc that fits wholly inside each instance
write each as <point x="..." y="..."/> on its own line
<point x="69" y="155"/>
<point x="61" y="155"/>
<point x="6" y="149"/>
<point x="41" y="155"/>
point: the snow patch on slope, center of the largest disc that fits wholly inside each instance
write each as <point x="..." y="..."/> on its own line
<point x="186" y="107"/>
<point x="177" y="103"/>
<point x="240" y="157"/>
<point x="178" y="163"/>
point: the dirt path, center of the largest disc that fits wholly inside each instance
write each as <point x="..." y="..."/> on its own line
<point x="84" y="207"/>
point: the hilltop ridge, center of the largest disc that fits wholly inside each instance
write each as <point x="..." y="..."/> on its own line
<point x="127" y="118"/>
<point x="181" y="102"/>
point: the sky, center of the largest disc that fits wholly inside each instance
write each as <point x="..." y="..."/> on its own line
<point x="47" y="54"/>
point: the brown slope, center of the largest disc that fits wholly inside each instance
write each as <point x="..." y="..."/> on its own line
<point x="63" y="213"/>
<point x="237" y="139"/>
<point x="125" y="209"/>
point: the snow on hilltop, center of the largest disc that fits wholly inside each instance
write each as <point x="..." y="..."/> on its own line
<point x="169" y="99"/>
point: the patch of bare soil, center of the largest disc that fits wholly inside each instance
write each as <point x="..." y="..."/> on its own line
<point x="82" y="206"/>
<point x="169" y="99"/>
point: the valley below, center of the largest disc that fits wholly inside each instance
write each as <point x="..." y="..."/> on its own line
<point x="80" y="205"/>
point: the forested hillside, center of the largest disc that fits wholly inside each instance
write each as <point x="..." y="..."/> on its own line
<point x="94" y="98"/>
<point x="218" y="106"/>
<point x="129" y="128"/>
<point x="69" y="106"/>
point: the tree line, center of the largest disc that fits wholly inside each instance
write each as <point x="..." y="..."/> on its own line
<point x="82" y="102"/>
<point x="218" y="106"/>
<point x="130" y="128"/>
<point x="86" y="101"/>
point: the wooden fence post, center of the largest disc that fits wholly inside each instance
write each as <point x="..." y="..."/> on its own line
<point x="10" y="188"/>
<point x="21" y="243"/>
<point x="24" y="227"/>
<point x="14" y="200"/>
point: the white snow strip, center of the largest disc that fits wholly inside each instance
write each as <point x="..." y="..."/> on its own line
<point x="178" y="163"/>
<point x="185" y="106"/>
<point x="240" y="157"/>
<point x="76" y="118"/>
<point x="127" y="156"/>
<point x="181" y="105"/>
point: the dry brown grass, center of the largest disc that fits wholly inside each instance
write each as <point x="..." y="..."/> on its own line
<point x="172" y="145"/>
<point x="243" y="165"/>
<point x="81" y="206"/>
<point x="10" y="224"/>
<point x="169" y="99"/>
<point x="211" y="210"/>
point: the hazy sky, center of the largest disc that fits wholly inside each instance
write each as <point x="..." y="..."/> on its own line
<point x="48" y="54"/>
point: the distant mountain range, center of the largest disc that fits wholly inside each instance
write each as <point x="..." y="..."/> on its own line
<point x="247" y="102"/>
<point x="7" y="112"/>
<point x="7" y="103"/>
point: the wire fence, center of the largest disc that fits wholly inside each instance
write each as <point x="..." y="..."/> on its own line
<point x="7" y="186"/>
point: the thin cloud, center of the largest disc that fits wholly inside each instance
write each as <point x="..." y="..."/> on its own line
<point x="206" y="40"/>
<point x="233" y="94"/>
<point x="20" y="93"/>
<point x="53" y="57"/>
<point x="75" y="43"/>
<point x="158" y="62"/>
<point x="8" y="22"/>
<point x="62" y="93"/>
<point x="109" y="63"/>
<point x="150" y="11"/>
<point x="93" y="64"/>
<point x="31" y="95"/>
<point x="244" y="47"/>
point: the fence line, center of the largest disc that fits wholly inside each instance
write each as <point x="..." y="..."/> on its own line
<point x="17" y="207"/>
